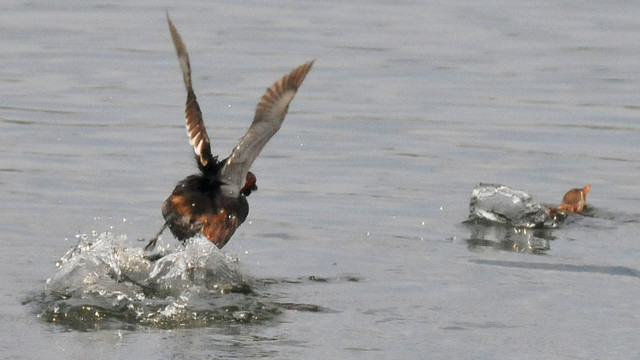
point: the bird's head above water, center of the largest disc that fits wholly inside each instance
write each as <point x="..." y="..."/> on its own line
<point x="249" y="185"/>
<point x="575" y="200"/>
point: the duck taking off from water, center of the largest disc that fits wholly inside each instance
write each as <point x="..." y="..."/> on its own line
<point x="214" y="202"/>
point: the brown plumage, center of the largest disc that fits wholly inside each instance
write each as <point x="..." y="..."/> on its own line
<point x="214" y="202"/>
<point x="575" y="200"/>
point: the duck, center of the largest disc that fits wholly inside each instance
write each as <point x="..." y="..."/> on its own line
<point x="213" y="202"/>
<point x="575" y="200"/>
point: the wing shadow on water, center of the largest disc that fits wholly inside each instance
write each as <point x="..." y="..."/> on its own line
<point x="102" y="283"/>
<point x="597" y="269"/>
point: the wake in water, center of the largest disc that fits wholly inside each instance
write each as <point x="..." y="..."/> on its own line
<point x="103" y="283"/>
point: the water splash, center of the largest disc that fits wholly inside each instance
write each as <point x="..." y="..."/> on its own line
<point x="500" y="204"/>
<point x="509" y="219"/>
<point x="103" y="283"/>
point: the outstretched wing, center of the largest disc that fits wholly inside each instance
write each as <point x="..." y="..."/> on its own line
<point x="270" y="113"/>
<point x="196" y="131"/>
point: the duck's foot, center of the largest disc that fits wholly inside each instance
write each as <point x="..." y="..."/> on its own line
<point x="154" y="256"/>
<point x="151" y="244"/>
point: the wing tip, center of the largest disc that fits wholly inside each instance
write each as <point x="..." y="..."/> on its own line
<point x="172" y="29"/>
<point x="297" y="76"/>
<point x="196" y="131"/>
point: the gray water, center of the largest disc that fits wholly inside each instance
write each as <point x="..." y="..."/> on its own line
<point x="355" y="237"/>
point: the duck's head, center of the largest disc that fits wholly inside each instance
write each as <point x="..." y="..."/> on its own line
<point x="249" y="184"/>
<point x="575" y="200"/>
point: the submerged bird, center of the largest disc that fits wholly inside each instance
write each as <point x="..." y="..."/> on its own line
<point x="575" y="200"/>
<point x="214" y="202"/>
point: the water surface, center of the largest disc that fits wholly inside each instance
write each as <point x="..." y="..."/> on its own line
<point x="408" y="106"/>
